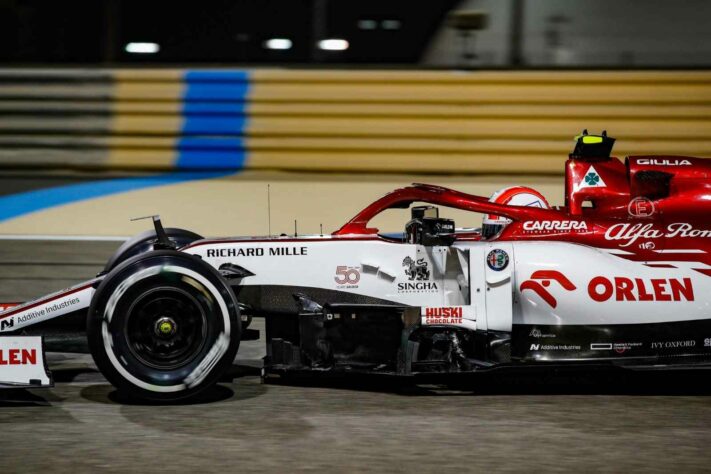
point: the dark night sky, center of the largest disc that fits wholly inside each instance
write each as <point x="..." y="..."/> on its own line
<point x="93" y="31"/>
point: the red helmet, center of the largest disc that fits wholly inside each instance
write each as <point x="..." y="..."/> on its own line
<point x="512" y="196"/>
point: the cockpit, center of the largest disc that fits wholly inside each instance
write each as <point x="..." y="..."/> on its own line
<point x="427" y="227"/>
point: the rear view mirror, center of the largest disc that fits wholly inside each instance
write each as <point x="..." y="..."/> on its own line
<point x="419" y="212"/>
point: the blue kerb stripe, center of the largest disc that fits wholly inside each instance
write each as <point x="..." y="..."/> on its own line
<point x="214" y="120"/>
<point x="211" y="153"/>
<point x="211" y="143"/>
<point x="216" y="85"/>
<point x="16" y="205"/>
<point x="202" y="125"/>
<point x="207" y="75"/>
<point x="215" y="92"/>
<point x="214" y="108"/>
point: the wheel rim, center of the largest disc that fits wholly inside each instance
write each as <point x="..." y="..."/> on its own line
<point x="165" y="328"/>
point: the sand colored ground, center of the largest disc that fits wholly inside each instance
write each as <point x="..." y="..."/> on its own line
<point x="237" y="205"/>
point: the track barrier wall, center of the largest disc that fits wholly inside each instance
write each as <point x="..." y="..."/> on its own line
<point x="338" y="120"/>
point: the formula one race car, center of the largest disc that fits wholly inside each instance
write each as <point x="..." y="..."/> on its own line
<point x="620" y="276"/>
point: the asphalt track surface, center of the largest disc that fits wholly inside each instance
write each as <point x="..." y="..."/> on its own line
<point x="544" y="422"/>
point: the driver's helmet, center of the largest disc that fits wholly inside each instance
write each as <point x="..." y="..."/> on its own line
<point x="513" y="196"/>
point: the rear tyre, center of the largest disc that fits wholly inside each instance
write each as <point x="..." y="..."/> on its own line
<point x="163" y="326"/>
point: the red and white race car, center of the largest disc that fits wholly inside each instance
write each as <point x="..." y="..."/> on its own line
<point x="620" y="276"/>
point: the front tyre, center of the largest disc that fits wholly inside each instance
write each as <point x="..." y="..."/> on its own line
<point x="163" y="326"/>
<point x="145" y="242"/>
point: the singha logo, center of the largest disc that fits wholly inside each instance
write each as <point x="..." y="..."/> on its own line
<point x="541" y="279"/>
<point x="416" y="270"/>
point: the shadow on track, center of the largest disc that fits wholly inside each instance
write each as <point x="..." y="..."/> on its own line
<point x="104" y="393"/>
<point x="610" y="382"/>
<point x="20" y="397"/>
<point x="675" y="383"/>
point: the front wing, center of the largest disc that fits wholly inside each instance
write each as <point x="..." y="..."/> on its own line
<point x="23" y="363"/>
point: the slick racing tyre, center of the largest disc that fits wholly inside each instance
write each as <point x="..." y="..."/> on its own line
<point x="163" y="326"/>
<point x="144" y="241"/>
